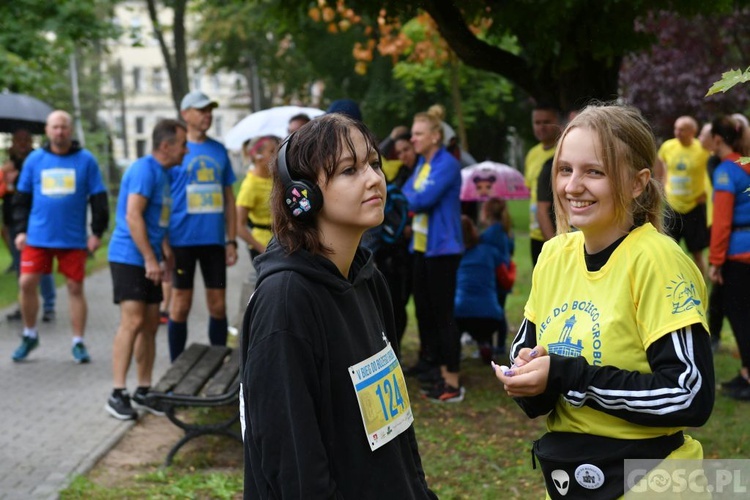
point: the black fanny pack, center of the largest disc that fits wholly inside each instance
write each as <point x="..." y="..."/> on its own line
<point x="592" y="467"/>
<point x="251" y="225"/>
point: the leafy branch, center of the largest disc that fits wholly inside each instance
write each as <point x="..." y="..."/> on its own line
<point x="728" y="80"/>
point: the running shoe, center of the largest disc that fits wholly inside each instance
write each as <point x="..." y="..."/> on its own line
<point x="28" y="344"/>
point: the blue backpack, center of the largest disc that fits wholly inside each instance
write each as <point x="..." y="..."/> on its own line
<point x="396" y="215"/>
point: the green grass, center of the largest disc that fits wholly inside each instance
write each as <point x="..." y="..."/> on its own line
<point x="479" y="449"/>
<point x="161" y="484"/>
<point x="8" y="285"/>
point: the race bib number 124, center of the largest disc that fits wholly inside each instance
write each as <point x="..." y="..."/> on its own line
<point x="382" y="396"/>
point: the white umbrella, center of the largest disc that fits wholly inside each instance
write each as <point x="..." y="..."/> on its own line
<point x="272" y="121"/>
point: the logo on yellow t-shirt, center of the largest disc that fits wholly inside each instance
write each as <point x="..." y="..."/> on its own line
<point x="683" y="295"/>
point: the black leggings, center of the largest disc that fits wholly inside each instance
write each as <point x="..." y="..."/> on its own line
<point x="735" y="296"/>
<point x="434" y="292"/>
<point x="481" y="329"/>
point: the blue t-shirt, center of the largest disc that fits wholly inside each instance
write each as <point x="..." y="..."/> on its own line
<point x="60" y="187"/>
<point x="732" y="178"/>
<point x="476" y="284"/>
<point x="198" y="195"/>
<point x="147" y="178"/>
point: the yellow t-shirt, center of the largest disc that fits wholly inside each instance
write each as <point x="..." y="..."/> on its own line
<point x="535" y="159"/>
<point x="647" y="289"/>
<point x="686" y="173"/>
<point x="390" y="168"/>
<point x="255" y="195"/>
<point x="420" y="221"/>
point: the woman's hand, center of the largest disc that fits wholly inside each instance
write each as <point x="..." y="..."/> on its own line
<point x="525" y="355"/>
<point x="529" y="374"/>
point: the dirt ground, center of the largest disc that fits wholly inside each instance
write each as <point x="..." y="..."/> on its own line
<point x="145" y="446"/>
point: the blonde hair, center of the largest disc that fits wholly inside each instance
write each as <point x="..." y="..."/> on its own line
<point x="627" y="146"/>
<point x="434" y="118"/>
<point x="438" y="111"/>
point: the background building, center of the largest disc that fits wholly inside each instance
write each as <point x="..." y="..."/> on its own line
<point x="138" y="93"/>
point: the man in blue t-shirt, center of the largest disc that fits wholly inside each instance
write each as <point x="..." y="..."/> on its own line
<point x="202" y="225"/>
<point x="139" y="256"/>
<point x="49" y="215"/>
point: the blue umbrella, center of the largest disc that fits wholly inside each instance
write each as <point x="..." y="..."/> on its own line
<point x="22" y="111"/>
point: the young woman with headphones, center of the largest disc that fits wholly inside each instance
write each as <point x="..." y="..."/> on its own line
<point x="325" y="409"/>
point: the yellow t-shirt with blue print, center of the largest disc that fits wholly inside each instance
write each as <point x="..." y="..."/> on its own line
<point x="647" y="289"/>
<point x="686" y="173"/>
<point x="421" y="221"/>
<point x="535" y="159"/>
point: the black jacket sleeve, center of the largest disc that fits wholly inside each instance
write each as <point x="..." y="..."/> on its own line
<point x="99" y="213"/>
<point x="679" y="391"/>
<point x="537" y="405"/>
<point x="21" y="211"/>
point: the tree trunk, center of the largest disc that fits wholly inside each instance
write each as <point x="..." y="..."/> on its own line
<point x="590" y="79"/>
<point x="176" y="62"/>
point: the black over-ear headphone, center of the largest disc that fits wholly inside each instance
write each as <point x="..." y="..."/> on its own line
<point x="302" y="198"/>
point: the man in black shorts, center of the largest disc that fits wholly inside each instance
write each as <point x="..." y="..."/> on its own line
<point x="137" y="254"/>
<point x="202" y="226"/>
<point x="685" y="162"/>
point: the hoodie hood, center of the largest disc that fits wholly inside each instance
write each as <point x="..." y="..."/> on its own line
<point x="316" y="268"/>
<point x="75" y="147"/>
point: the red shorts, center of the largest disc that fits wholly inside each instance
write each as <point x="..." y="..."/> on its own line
<point x="71" y="262"/>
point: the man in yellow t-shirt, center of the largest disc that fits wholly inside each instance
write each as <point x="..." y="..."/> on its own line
<point x="546" y="122"/>
<point x="685" y="162"/>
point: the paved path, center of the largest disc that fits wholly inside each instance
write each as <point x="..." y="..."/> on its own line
<point x="54" y="425"/>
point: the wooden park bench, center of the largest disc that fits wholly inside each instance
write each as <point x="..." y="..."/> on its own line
<point x="202" y="376"/>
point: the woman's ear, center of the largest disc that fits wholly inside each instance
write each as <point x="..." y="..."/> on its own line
<point x="640" y="181"/>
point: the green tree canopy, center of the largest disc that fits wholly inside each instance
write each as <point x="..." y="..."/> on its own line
<point x="570" y="50"/>
<point x="39" y="35"/>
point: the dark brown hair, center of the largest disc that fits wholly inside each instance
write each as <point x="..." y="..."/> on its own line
<point x="733" y="133"/>
<point x="165" y="130"/>
<point x="312" y="155"/>
<point x="470" y="232"/>
<point x="496" y="210"/>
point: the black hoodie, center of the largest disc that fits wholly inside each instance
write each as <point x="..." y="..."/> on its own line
<point x="304" y="438"/>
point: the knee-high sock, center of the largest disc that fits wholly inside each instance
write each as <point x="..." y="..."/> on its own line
<point x="177" y="337"/>
<point x="217" y="331"/>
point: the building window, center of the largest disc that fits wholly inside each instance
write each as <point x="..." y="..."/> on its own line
<point x="140" y="148"/>
<point x="119" y="126"/>
<point x="137" y="79"/>
<point x="139" y="125"/>
<point x="216" y="83"/>
<point x="158" y="80"/>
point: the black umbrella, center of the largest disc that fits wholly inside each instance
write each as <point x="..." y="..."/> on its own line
<point x="22" y="111"/>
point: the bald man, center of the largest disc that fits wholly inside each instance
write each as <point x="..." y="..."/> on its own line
<point x="49" y="217"/>
<point x="685" y="162"/>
